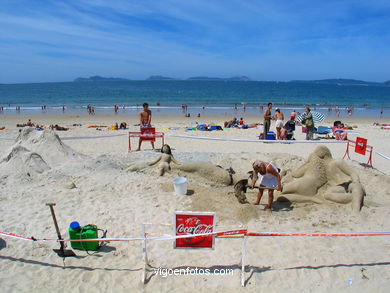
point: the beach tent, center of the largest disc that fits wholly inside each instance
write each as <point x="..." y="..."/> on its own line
<point x="317" y="117"/>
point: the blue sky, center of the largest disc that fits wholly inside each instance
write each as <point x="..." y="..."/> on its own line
<point x="265" y="40"/>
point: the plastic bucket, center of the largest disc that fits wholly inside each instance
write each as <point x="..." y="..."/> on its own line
<point x="180" y="185"/>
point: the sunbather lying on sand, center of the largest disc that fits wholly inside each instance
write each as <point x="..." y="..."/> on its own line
<point x="28" y="123"/>
<point x="59" y="128"/>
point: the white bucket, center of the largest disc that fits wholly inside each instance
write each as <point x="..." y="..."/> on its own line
<point x="180" y="185"/>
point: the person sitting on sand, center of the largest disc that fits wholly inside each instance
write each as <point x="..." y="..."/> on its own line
<point x="29" y="123"/>
<point x="339" y="132"/>
<point x="283" y="133"/>
<point x="123" y="125"/>
<point x="232" y="123"/>
<point x="145" y="121"/>
<point x="270" y="179"/>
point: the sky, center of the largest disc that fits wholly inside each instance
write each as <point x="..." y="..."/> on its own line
<point x="49" y="41"/>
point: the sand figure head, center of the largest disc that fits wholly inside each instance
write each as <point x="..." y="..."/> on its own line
<point x="166" y="149"/>
<point x="322" y="152"/>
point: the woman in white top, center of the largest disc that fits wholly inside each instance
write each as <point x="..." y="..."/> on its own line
<point x="269" y="179"/>
<point x="279" y="117"/>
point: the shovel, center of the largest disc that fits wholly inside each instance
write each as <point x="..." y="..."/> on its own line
<point x="61" y="252"/>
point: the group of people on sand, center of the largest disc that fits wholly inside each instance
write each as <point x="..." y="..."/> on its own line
<point x="29" y="123"/>
<point x="281" y="128"/>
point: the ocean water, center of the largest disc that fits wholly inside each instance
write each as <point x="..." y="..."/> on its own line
<point x="205" y="97"/>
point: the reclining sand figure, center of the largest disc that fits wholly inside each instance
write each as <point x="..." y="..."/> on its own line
<point x="214" y="174"/>
<point x="323" y="179"/>
<point x="164" y="160"/>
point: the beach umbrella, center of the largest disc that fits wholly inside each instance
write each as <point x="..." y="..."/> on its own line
<point x="317" y="117"/>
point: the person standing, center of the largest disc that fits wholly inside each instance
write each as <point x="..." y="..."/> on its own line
<point x="145" y="121"/>
<point x="267" y="120"/>
<point x="270" y="179"/>
<point x="279" y="117"/>
<point x="309" y="123"/>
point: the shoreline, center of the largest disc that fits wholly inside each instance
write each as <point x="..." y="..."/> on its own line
<point x="161" y="118"/>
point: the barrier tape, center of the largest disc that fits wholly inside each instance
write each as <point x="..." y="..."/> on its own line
<point x="77" y="137"/>
<point x="253" y="140"/>
<point x="164" y="237"/>
<point x="320" y="234"/>
<point x="91" y="137"/>
<point x="213" y="138"/>
<point x="382" y="155"/>
<point x="228" y="233"/>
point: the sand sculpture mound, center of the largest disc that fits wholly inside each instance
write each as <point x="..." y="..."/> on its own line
<point x="323" y="179"/>
<point x="21" y="163"/>
<point x="46" y="143"/>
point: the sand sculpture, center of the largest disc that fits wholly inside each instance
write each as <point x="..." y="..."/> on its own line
<point x="322" y="179"/>
<point x="215" y="175"/>
<point x="318" y="180"/>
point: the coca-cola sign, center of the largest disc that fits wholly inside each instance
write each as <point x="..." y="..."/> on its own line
<point x="194" y="223"/>
<point x="361" y="145"/>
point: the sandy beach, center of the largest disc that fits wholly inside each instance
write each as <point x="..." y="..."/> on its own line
<point x="89" y="181"/>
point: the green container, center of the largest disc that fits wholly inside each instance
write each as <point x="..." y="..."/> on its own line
<point x="86" y="232"/>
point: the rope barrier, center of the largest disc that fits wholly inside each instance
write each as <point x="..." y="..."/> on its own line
<point x="213" y="138"/>
<point x="77" y="137"/>
<point x="91" y="137"/>
<point x="253" y="140"/>
<point x="382" y="155"/>
<point x="241" y="232"/>
<point x="320" y="234"/>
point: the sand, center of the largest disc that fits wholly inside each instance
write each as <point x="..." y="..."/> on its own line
<point x="89" y="181"/>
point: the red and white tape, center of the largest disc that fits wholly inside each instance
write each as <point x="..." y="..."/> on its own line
<point x="164" y="237"/>
<point x="242" y="232"/>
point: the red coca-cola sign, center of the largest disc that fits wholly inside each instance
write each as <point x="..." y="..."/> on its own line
<point x="193" y="223"/>
<point x="361" y="145"/>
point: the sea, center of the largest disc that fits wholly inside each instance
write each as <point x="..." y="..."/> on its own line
<point x="202" y="97"/>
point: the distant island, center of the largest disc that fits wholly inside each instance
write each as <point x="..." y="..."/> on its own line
<point x="334" y="81"/>
<point x="160" y="77"/>
<point x="341" y="81"/>
<point x="234" y="78"/>
<point x="99" y="78"/>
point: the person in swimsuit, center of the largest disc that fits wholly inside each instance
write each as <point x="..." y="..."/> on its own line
<point x="145" y="121"/>
<point x="267" y="120"/>
<point x="269" y="179"/>
<point x="279" y="117"/>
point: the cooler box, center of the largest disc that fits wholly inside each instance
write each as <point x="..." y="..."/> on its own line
<point x="86" y="232"/>
<point x="271" y="135"/>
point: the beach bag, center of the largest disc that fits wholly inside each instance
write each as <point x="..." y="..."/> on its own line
<point x="309" y="123"/>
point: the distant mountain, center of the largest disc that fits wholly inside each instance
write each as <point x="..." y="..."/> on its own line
<point x="99" y="78"/>
<point x="239" y="78"/>
<point x="339" y="81"/>
<point x="159" y="77"/>
<point x="235" y="78"/>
